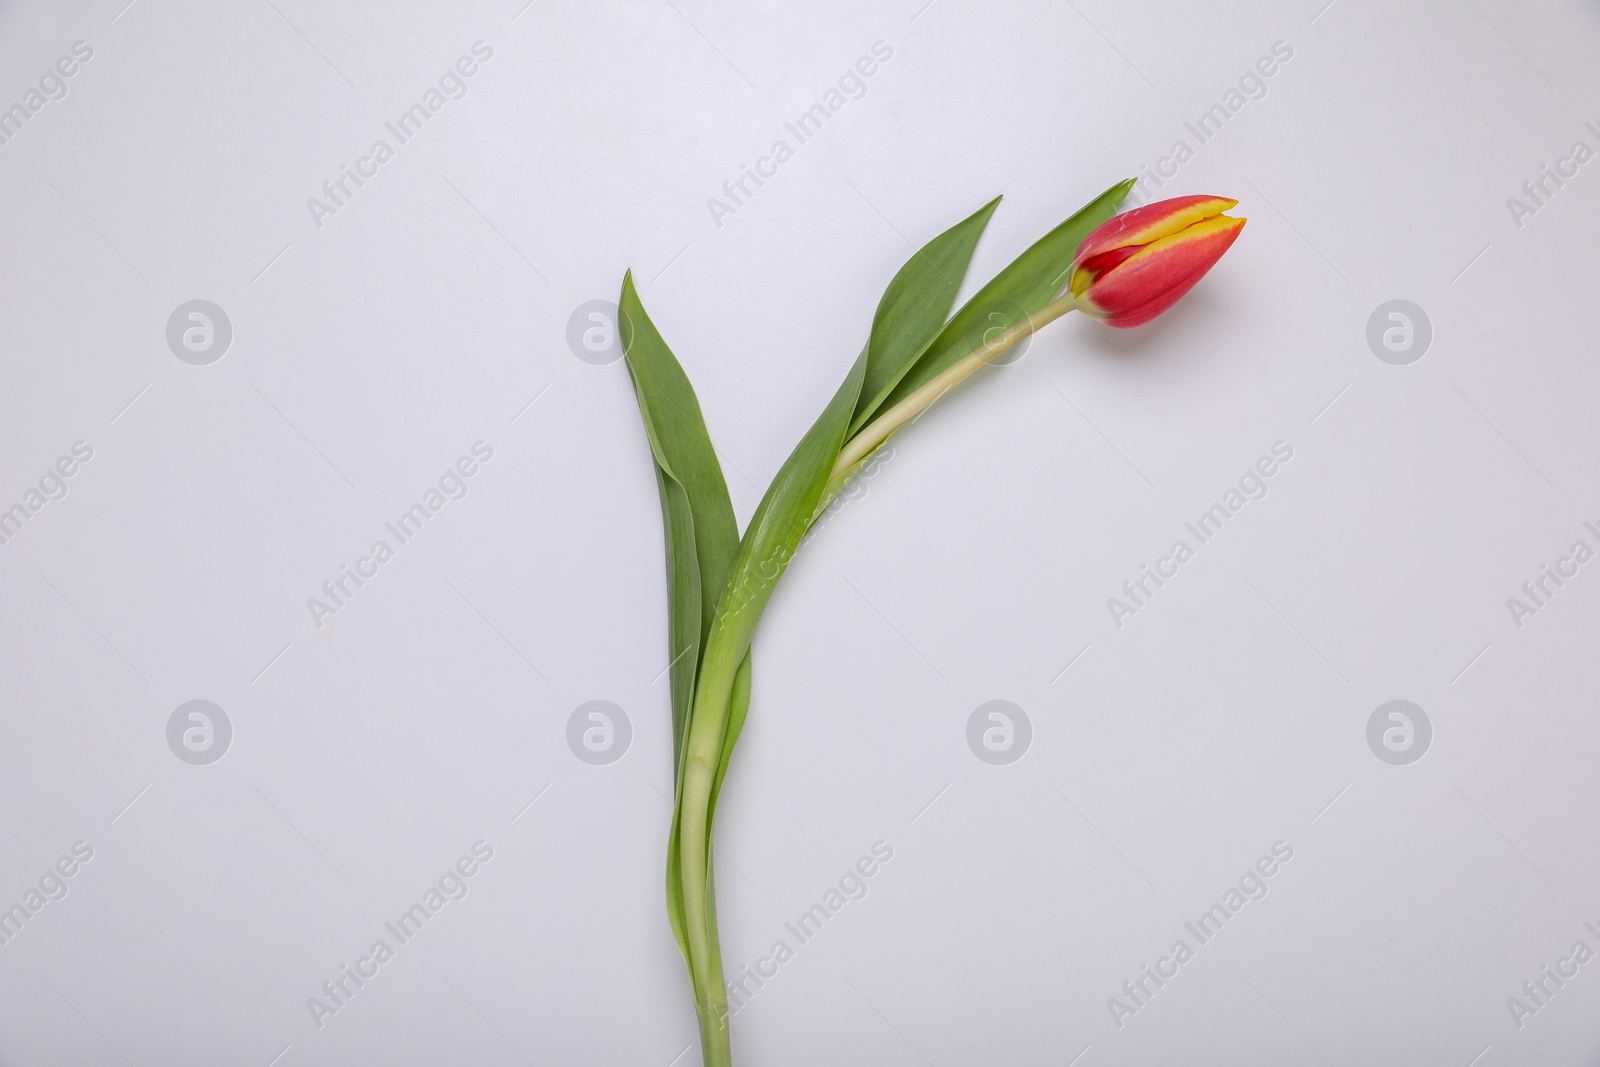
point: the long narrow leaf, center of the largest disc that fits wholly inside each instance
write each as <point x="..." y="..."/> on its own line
<point x="697" y="518"/>
<point x="774" y="533"/>
<point x="914" y="307"/>
<point x="701" y="533"/>
<point x="1023" y="288"/>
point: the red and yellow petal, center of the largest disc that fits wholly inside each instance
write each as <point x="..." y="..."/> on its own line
<point x="1086" y="272"/>
<point x="1148" y="224"/>
<point x="1154" y="278"/>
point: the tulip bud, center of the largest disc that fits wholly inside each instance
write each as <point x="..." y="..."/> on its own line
<point x="1139" y="263"/>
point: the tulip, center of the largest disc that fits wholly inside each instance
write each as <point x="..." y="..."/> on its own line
<point x="1140" y="263"/>
<point x="1124" y="271"/>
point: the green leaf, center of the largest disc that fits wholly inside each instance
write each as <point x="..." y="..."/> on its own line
<point x="722" y="695"/>
<point x="914" y="308"/>
<point x="783" y="517"/>
<point x="702" y="535"/>
<point x="685" y="610"/>
<point x="700" y="531"/>
<point x="1023" y="288"/>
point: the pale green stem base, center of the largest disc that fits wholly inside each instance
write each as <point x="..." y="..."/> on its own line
<point x="878" y="430"/>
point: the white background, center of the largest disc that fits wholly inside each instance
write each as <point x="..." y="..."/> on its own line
<point x="372" y="351"/>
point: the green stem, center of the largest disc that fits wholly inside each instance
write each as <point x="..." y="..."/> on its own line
<point x="879" y="429"/>
<point x="702" y="757"/>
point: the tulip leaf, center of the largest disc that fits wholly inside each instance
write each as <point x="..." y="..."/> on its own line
<point x="1023" y="288"/>
<point x="914" y="308"/>
<point x="775" y="532"/>
<point x="702" y="535"/>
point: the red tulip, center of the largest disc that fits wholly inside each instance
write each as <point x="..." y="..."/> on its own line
<point x="1138" y="264"/>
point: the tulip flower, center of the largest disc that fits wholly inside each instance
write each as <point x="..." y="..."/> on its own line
<point x="1140" y="263"/>
<point x="1122" y="270"/>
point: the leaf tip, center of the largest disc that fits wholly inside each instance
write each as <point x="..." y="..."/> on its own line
<point x="629" y="296"/>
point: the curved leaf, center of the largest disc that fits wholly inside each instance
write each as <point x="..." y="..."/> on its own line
<point x="914" y="307"/>
<point x="1023" y="288"/>
<point x="702" y="535"/>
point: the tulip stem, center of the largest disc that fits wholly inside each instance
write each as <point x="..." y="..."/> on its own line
<point x="879" y="429"/>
